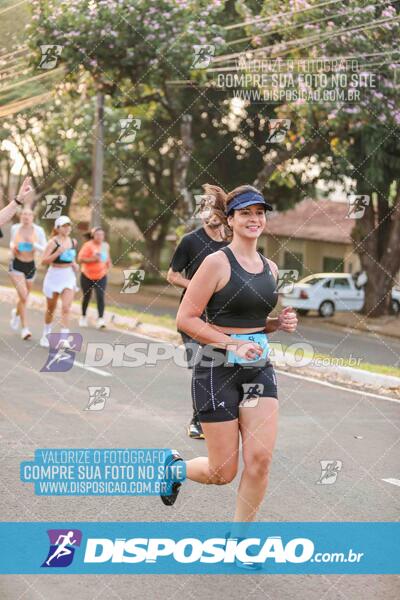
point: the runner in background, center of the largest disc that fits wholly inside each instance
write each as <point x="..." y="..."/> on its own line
<point x="95" y="259"/>
<point x="26" y="237"/>
<point x="188" y="256"/>
<point x="60" y="279"/>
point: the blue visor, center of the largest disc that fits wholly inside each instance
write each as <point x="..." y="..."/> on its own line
<point x="247" y="199"/>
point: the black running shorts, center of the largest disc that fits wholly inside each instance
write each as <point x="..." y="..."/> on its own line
<point x="218" y="390"/>
<point x="28" y="269"/>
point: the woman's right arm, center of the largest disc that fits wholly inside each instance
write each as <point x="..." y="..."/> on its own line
<point x="24" y="195"/>
<point x="13" y="232"/>
<point x="85" y="256"/>
<point x="51" y="252"/>
<point x="198" y="293"/>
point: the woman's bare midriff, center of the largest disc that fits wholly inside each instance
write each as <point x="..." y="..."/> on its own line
<point x="25" y="257"/>
<point x="57" y="266"/>
<point x="236" y="329"/>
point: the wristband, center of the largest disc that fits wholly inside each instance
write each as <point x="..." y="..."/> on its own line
<point x="18" y="201"/>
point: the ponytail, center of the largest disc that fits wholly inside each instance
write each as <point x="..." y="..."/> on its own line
<point x="220" y="200"/>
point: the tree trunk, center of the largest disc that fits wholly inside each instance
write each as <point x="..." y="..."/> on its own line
<point x="377" y="241"/>
<point x="154" y="243"/>
<point x="181" y="166"/>
<point x="152" y="258"/>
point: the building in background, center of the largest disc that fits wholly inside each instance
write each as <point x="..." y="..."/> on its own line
<point x="312" y="237"/>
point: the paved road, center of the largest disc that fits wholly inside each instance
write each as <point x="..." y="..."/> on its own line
<point x="149" y="407"/>
<point x="325" y="339"/>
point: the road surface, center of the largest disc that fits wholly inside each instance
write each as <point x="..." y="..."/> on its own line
<point x="150" y="407"/>
<point x="324" y="338"/>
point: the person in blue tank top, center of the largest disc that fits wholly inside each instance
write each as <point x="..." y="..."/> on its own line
<point x="60" y="279"/>
<point x="234" y="385"/>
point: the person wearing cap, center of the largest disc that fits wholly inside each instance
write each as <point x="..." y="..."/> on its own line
<point x="234" y="385"/>
<point x="60" y="279"/>
<point x="25" y="239"/>
<point x="95" y="259"/>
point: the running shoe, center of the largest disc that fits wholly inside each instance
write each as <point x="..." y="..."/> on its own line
<point x="195" y="430"/>
<point x="169" y="499"/>
<point x="83" y="322"/>
<point x="44" y="342"/>
<point x="15" y="321"/>
<point x="249" y="565"/>
<point x="100" y="323"/>
<point x="25" y="334"/>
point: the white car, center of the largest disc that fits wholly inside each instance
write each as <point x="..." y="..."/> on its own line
<point x="328" y="292"/>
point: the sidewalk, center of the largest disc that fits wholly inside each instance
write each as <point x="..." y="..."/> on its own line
<point x="388" y="325"/>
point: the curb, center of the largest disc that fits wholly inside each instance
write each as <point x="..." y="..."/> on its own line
<point x="344" y="373"/>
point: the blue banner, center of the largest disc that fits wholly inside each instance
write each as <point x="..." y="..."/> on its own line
<point x="200" y="548"/>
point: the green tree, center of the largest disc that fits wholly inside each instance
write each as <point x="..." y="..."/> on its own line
<point x="131" y="49"/>
<point x="357" y="136"/>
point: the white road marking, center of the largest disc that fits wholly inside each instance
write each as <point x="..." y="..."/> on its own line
<point x="92" y="369"/>
<point x="338" y="387"/>
<point x="393" y="481"/>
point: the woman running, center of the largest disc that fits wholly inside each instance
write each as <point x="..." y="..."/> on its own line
<point x="234" y="384"/>
<point x="60" y="279"/>
<point x="25" y="239"/>
<point x="95" y="258"/>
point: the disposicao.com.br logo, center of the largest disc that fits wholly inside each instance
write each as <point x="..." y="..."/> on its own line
<point x="191" y="550"/>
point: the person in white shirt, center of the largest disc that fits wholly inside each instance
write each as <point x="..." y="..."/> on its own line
<point x="26" y="239"/>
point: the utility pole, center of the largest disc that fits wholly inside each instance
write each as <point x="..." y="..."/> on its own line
<point x="98" y="160"/>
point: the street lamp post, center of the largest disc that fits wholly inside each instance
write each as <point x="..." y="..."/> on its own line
<point x="98" y="160"/>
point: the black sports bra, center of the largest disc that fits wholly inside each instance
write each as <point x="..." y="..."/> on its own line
<point x="246" y="300"/>
<point x="68" y="256"/>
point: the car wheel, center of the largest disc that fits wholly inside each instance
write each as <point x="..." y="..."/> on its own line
<point x="327" y="309"/>
<point x="395" y="307"/>
<point x="302" y="312"/>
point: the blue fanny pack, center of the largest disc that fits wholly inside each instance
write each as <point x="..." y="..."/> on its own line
<point x="258" y="338"/>
<point x="68" y="255"/>
<point x="25" y="246"/>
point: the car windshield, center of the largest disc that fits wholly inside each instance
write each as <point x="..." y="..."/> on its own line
<point x="311" y="280"/>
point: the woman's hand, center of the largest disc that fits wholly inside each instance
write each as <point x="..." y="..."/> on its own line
<point x="25" y="192"/>
<point x="287" y="320"/>
<point x="248" y="350"/>
<point x="75" y="268"/>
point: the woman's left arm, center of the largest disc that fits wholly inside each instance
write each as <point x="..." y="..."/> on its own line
<point x="287" y="318"/>
<point x="41" y="243"/>
<point x="109" y="261"/>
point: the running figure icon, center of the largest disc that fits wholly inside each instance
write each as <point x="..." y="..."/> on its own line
<point x="62" y="549"/>
<point x="62" y="351"/>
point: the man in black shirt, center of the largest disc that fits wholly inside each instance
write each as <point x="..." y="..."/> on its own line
<point x="188" y="256"/>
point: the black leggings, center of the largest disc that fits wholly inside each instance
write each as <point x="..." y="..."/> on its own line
<point x="99" y="286"/>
